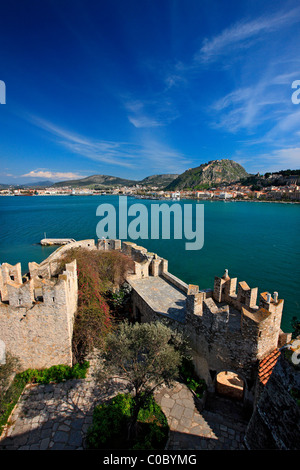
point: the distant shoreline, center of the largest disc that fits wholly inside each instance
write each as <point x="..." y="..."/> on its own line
<point x="159" y="199"/>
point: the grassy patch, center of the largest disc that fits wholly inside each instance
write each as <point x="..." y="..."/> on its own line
<point x="54" y="374"/>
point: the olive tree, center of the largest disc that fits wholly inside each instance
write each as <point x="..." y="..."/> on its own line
<point x="145" y="355"/>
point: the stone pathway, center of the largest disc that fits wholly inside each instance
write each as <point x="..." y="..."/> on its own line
<point x="57" y="416"/>
<point x="191" y="429"/>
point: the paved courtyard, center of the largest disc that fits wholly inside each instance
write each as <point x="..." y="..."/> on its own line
<point x="57" y="416"/>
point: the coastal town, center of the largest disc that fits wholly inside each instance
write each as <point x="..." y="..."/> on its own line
<point x="289" y="192"/>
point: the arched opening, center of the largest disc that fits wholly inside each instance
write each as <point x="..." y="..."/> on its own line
<point x="230" y="384"/>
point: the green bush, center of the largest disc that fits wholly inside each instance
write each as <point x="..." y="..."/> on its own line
<point x="110" y="425"/>
<point x="55" y="374"/>
<point x="190" y="378"/>
<point x="109" y="420"/>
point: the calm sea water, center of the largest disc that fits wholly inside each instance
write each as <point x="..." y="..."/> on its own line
<point x="257" y="242"/>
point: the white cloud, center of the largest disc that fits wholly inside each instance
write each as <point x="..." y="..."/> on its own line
<point x="52" y="175"/>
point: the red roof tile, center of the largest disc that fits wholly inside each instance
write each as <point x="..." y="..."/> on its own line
<point x="267" y="365"/>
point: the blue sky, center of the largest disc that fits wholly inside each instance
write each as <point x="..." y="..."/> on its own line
<point x="133" y="88"/>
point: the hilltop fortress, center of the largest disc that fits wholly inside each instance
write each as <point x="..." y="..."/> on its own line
<point x="226" y="328"/>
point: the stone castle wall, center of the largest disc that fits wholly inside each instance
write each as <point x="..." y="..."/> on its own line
<point x="37" y="314"/>
<point x="226" y="329"/>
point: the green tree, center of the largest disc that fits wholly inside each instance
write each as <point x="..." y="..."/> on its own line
<point x="147" y="356"/>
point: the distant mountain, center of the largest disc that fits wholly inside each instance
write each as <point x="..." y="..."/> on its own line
<point x="37" y="184"/>
<point x="106" y="181"/>
<point x="209" y="175"/>
<point x="160" y="181"/>
<point x="97" y="180"/>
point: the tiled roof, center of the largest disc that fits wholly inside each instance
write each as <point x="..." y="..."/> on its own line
<point x="267" y="365"/>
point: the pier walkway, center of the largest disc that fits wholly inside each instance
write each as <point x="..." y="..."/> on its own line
<point x="56" y="241"/>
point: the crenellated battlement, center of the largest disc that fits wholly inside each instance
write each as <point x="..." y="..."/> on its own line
<point x="37" y="313"/>
<point x="230" y="327"/>
<point x="17" y="291"/>
<point x="226" y="327"/>
<point x="231" y="307"/>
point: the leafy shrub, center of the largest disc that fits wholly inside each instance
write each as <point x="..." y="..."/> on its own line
<point x="109" y="420"/>
<point x="55" y="374"/>
<point x="190" y="378"/>
<point x="110" y="425"/>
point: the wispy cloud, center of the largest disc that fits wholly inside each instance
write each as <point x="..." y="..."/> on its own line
<point x="144" y="121"/>
<point x="156" y="112"/>
<point x="267" y="101"/>
<point x="114" y="153"/>
<point x="244" y="34"/>
<point x="275" y="160"/>
<point x="260" y="94"/>
<point x="162" y="158"/>
<point x="147" y="153"/>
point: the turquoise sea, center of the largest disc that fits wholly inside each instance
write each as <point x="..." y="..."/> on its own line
<point x="257" y="242"/>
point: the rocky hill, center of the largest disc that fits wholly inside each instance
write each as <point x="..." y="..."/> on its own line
<point x="96" y="180"/>
<point x="160" y="181"/>
<point x="209" y="175"/>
